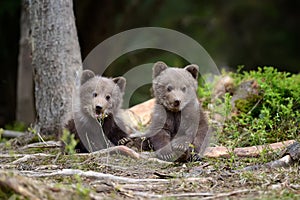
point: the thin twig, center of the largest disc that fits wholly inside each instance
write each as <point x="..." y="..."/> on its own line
<point x="227" y="194"/>
<point x="28" y="157"/>
<point x="123" y="150"/>
<point x="22" y="155"/>
<point x="204" y="195"/>
<point x="254" y="106"/>
<point x="47" y="144"/>
<point x="90" y="174"/>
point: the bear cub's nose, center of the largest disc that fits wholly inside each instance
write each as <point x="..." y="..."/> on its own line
<point x="176" y="103"/>
<point x="98" y="109"/>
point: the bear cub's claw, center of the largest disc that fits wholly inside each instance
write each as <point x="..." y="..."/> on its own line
<point x="166" y="157"/>
<point x="196" y="158"/>
<point x="180" y="147"/>
<point x="124" y="141"/>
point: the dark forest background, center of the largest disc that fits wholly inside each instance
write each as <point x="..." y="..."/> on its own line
<point x="251" y="33"/>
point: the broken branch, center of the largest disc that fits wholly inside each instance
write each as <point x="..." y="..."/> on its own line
<point x="253" y="151"/>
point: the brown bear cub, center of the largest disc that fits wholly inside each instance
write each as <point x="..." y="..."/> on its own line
<point x="179" y="129"/>
<point x="96" y="119"/>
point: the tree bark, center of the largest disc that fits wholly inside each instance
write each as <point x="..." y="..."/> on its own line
<point x="25" y="101"/>
<point x="56" y="61"/>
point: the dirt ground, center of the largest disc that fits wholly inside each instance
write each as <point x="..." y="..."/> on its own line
<point x="45" y="173"/>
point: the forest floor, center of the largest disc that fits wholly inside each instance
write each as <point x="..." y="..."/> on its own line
<point x="236" y="168"/>
<point x="43" y="172"/>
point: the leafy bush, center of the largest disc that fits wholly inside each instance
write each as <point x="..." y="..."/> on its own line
<point x="16" y="126"/>
<point x="271" y="116"/>
<point x="69" y="142"/>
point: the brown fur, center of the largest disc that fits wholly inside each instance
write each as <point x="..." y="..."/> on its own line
<point x="99" y="98"/>
<point x="179" y="129"/>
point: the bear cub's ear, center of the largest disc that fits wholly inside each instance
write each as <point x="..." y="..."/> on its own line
<point x="193" y="70"/>
<point x="86" y="75"/>
<point x="121" y="82"/>
<point x="158" y="68"/>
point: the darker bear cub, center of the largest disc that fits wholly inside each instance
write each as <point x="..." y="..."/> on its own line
<point x="96" y="119"/>
<point x="179" y="129"/>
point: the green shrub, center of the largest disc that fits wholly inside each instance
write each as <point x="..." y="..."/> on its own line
<point x="271" y="116"/>
<point x="69" y="142"/>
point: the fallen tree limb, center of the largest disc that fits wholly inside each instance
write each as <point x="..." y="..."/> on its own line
<point x="182" y="195"/>
<point x="204" y="195"/>
<point x="123" y="150"/>
<point x="227" y="194"/>
<point x="23" y="155"/>
<point x="89" y="174"/>
<point x="253" y="151"/>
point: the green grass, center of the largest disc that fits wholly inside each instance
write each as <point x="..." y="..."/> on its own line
<point x="271" y="116"/>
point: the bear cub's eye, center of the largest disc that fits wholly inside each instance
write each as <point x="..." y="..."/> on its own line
<point x="169" y="88"/>
<point x="95" y="94"/>
<point x="107" y="97"/>
<point x="183" y="89"/>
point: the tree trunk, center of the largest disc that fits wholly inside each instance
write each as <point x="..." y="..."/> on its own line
<point x="25" y="101"/>
<point x="56" y="61"/>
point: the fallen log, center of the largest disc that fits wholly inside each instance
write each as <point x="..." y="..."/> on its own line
<point x="140" y="115"/>
<point x="252" y="151"/>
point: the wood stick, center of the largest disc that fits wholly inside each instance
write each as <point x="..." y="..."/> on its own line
<point x="204" y="195"/>
<point x="228" y="194"/>
<point x="46" y="144"/>
<point x="253" y="151"/>
<point x="90" y="174"/>
<point x="123" y="150"/>
<point x="30" y="156"/>
<point x="23" y="155"/>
